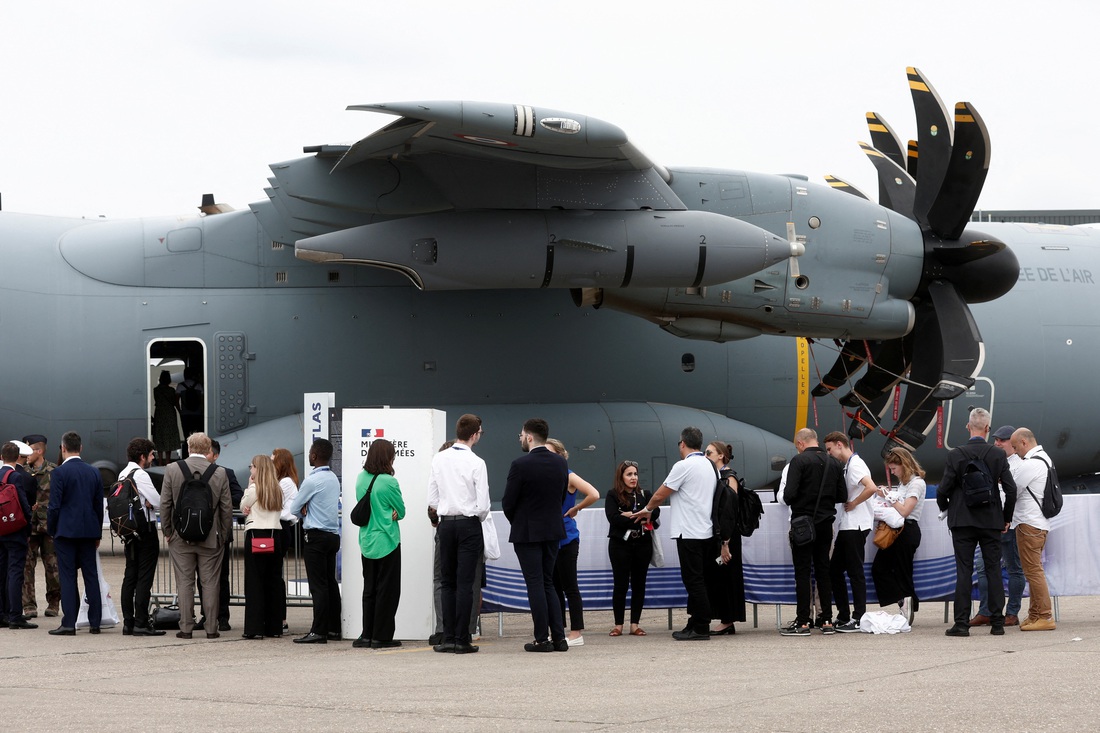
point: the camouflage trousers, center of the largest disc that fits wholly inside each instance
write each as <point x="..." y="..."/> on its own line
<point x="41" y="544"/>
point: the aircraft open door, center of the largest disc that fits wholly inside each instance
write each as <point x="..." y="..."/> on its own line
<point x="181" y="408"/>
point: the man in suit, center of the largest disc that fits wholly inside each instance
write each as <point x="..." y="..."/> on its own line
<point x="977" y="525"/>
<point x="236" y="493"/>
<point x="205" y="556"/>
<point x="13" y="545"/>
<point x="532" y="501"/>
<point x="75" y="521"/>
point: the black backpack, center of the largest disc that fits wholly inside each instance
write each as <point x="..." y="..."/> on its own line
<point x="125" y="509"/>
<point x="977" y="482"/>
<point x="193" y="514"/>
<point x="1052" y="493"/>
<point x="750" y="509"/>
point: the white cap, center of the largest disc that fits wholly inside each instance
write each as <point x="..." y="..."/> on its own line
<point x="24" y="449"/>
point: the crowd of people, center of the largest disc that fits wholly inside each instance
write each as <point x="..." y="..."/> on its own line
<point x="834" y="506"/>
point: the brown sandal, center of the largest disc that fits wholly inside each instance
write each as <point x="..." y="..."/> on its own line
<point x="638" y="632"/>
<point x="616" y="632"/>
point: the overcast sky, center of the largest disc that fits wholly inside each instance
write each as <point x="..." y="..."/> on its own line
<point x="124" y="108"/>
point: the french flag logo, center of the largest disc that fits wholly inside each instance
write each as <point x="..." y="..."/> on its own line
<point x="374" y="433"/>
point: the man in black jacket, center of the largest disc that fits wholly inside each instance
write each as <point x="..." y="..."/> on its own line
<point x="977" y="524"/>
<point x="814" y="479"/>
<point x="532" y="501"/>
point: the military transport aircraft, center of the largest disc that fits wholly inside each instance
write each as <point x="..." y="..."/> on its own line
<point x="519" y="261"/>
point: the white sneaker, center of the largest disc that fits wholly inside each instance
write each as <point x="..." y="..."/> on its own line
<point x="579" y="641"/>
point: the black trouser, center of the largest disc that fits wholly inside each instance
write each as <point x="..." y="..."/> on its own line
<point x="437" y="590"/>
<point x="264" y="592"/>
<point x="461" y="547"/>
<point x="629" y="568"/>
<point x="694" y="554"/>
<point x="536" y="560"/>
<point x="892" y="569"/>
<point x="565" y="585"/>
<point x="964" y="539"/>
<point x="319" y="557"/>
<point x="816" y="554"/>
<point x="73" y="554"/>
<point x="13" y="561"/>
<point x="848" y="558"/>
<point x="381" y="595"/>
<point x="142" y="553"/>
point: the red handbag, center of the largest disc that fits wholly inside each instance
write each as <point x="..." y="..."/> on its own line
<point x="262" y="545"/>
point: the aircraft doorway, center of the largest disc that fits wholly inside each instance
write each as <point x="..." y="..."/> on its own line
<point x="176" y="390"/>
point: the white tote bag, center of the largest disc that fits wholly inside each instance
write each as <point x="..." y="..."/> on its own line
<point x="492" y="542"/>
<point x="109" y="615"/>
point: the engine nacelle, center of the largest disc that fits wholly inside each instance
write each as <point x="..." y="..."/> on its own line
<point x="556" y="249"/>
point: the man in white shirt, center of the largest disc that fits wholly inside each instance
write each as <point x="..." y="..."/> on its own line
<point x="691" y="484"/>
<point x="142" y="550"/>
<point x="851" y="538"/>
<point x="458" y="500"/>
<point x="1031" y="526"/>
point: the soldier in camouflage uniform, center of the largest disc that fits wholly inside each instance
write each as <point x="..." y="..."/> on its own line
<point x="40" y="543"/>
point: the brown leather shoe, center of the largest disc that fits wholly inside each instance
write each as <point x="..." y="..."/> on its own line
<point x="1012" y="620"/>
<point x="183" y="634"/>
<point x="980" y="620"/>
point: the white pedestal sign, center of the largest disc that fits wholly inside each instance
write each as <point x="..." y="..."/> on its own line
<point x="416" y="436"/>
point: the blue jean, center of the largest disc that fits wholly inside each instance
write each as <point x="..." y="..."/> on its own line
<point x="1010" y="559"/>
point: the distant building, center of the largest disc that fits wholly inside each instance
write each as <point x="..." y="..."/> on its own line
<point x="1066" y="217"/>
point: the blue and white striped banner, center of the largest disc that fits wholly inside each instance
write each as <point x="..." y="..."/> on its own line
<point x="1071" y="560"/>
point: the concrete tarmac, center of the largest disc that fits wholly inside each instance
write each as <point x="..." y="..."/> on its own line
<point x="754" y="681"/>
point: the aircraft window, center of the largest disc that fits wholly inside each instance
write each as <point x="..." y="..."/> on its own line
<point x="814" y="222"/>
<point x="184" y="240"/>
<point x="687" y="363"/>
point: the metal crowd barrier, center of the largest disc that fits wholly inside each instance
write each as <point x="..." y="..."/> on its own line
<point x="294" y="570"/>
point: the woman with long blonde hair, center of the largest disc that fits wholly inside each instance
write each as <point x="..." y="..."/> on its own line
<point x="264" y="592"/>
<point x="892" y="568"/>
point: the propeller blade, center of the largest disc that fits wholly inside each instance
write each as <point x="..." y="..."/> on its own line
<point x="841" y="185"/>
<point x="897" y="189"/>
<point x="961" y="348"/>
<point x="966" y="171"/>
<point x="889" y="362"/>
<point x="867" y="419"/>
<point x="849" y="361"/>
<point x="933" y="140"/>
<point x="911" y="159"/>
<point x="918" y="409"/>
<point x="884" y="139"/>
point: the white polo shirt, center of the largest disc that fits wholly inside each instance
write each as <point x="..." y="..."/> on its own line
<point x="692" y="481"/>
<point x="863" y="516"/>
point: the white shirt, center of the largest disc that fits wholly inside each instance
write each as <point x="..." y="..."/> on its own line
<point x="862" y="516"/>
<point x="286" y="483"/>
<point x="1030" y="473"/>
<point x="459" y="483"/>
<point x="916" y="488"/>
<point x="149" y="495"/>
<point x="692" y="481"/>
<point x="781" y="495"/>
